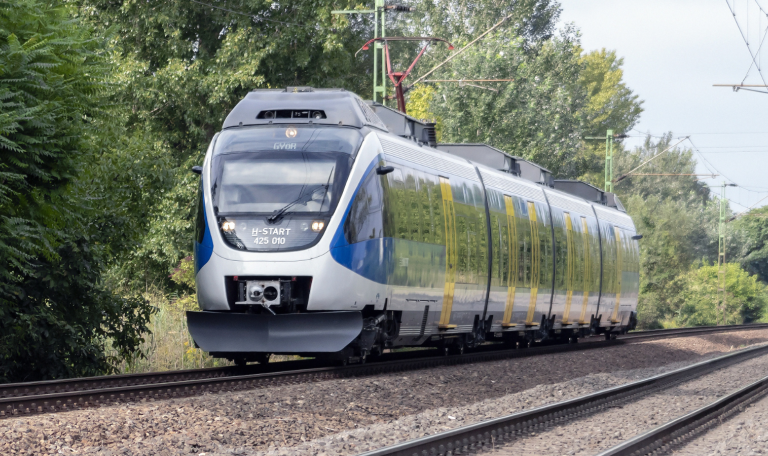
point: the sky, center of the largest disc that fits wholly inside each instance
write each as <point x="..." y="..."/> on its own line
<point x="674" y="51"/>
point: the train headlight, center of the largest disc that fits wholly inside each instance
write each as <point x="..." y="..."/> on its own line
<point x="291" y="132"/>
<point x="228" y="226"/>
<point x="318" y="225"/>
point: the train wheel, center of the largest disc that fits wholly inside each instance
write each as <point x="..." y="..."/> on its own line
<point x="445" y="350"/>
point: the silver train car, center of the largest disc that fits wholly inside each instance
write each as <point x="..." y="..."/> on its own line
<point x="324" y="230"/>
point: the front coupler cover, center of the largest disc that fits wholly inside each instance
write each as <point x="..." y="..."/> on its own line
<point x="321" y="332"/>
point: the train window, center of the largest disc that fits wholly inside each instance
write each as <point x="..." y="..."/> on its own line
<point x="267" y="182"/>
<point x="200" y="216"/>
<point x="436" y="210"/>
<point x="413" y="205"/>
<point x="545" y="251"/>
<point x="499" y="261"/>
<point x="524" y="246"/>
<point x="593" y="241"/>
<point x="425" y="208"/>
<point x="609" y="263"/>
<point x="365" y="220"/>
<point x="561" y="248"/>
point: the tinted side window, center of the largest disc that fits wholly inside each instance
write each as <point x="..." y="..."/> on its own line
<point x="364" y="221"/>
<point x="199" y="216"/>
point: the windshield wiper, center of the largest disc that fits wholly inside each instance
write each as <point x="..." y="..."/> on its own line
<point x="303" y="198"/>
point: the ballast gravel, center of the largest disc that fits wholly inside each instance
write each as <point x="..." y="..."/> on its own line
<point x="744" y="434"/>
<point x="591" y="435"/>
<point x="352" y="415"/>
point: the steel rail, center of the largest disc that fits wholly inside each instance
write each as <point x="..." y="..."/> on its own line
<point x="488" y="434"/>
<point x="69" y="400"/>
<point x="676" y="432"/>
<point x="111" y="381"/>
<point x="57" y="395"/>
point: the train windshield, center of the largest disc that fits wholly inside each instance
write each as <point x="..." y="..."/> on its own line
<point x="275" y="188"/>
<point x="267" y="182"/>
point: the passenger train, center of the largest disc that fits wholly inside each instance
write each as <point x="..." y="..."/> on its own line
<point x="330" y="226"/>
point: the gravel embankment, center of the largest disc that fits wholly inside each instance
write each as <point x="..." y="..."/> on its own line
<point x="306" y="415"/>
<point x="591" y="435"/>
<point x="744" y="434"/>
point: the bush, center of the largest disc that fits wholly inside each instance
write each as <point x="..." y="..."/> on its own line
<point x="699" y="304"/>
<point x="56" y="315"/>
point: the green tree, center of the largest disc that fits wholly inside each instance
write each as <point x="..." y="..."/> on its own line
<point x="610" y="105"/>
<point x="751" y="233"/>
<point x="56" y="316"/>
<point x="537" y="116"/>
<point x="698" y="303"/>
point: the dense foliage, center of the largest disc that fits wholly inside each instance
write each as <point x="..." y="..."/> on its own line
<point x="699" y="304"/>
<point x="56" y="317"/>
<point x="751" y="232"/>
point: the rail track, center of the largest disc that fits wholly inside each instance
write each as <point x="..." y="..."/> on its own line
<point x="494" y="433"/>
<point x="667" y="437"/>
<point x="61" y="395"/>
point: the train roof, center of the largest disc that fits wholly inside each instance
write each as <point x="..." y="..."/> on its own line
<point x="303" y="105"/>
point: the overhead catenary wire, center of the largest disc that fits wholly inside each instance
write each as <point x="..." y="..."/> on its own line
<point x="747" y="210"/>
<point x="625" y="175"/>
<point x="746" y="41"/>
<point x="707" y="162"/>
<point x="460" y="51"/>
<point x="711" y="189"/>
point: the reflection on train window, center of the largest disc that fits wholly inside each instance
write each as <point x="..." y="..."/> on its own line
<point x="609" y="260"/>
<point x="200" y="216"/>
<point x="413" y="210"/>
<point x="266" y="182"/>
<point x="364" y="220"/>
<point x="561" y="248"/>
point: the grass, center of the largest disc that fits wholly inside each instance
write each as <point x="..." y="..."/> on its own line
<point x="168" y="345"/>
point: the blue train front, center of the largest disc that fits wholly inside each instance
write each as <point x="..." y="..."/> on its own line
<point x="323" y="230"/>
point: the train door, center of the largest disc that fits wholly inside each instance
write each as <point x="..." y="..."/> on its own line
<point x="502" y="254"/>
<point x="590" y="270"/>
<point x="628" y="276"/>
<point x="449" y="220"/>
<point x="542" y="267"/>
<point x="561" y="295"/>
<point x="573" y="266"/>
<point x="512" y="257"/>
<point x="470" y="286"/>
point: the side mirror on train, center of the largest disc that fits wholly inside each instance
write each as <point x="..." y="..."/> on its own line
<point x="197" y="169"/>
<point x="637" y="237"/>
<point x="382" y="170"/>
